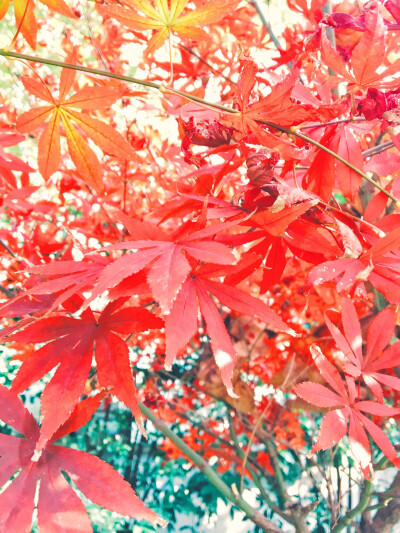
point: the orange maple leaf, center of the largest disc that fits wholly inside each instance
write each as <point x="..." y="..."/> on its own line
<point x="64" y="110"/>
<point x="166" y="17"/>
<point x="24" y="11"/>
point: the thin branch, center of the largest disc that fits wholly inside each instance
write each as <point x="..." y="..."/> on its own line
<point x="80" y="68"/>
<point x="357" y="510"/>
<point x="254" y="475"/>
<point x="267" y="26"/>
<point x="259" y="420"/>
<point x="327" y="10"/>
<point x="4" y="245"/>
<point x="165" y="90"/>
<point x="209" y="65"/>
<point x="377" y="149"/>
<point x="336" y="156"/>
<point x="280" y="482"/>
<point x="255" y="516"/>
<point x="7" y="292"/>
<point x="333" y="122"/>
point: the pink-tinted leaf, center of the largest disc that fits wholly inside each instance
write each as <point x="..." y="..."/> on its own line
<point x="352" y="328"/>
<point x="392" y="382"/>
<point x="380" y="332"/>
<point x="17" y="503"/>
<point x="14" y="413"/>
<point x="181" y="323"/>
<point x="327" y="271"/>
<point x="221" y="343"/>
<point x="244" y="303"/>
<point x="210" y="252"/>
<point x="61" y="395"/>
<point x="115" y="372"/>
<point x="342" y="343"/>
<point x="167" y="275"/>
<point x="333" y="429"/>
<point x="318" y="395"/>
<point x="103" y="485"/>
<point x="80" y="416"/>
<point x="59" y="507"/>
<point x="371" y="382"/>
<point x="129" y="320"/>
<point x="359" y="446"/>
<point x="38" y="365"/>
<point x="381" y="440"/>
<point x="328" y="371"/>
<point x="374" y="408"/>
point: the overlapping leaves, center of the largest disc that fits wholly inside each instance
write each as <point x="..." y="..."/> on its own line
<point x="168" y="17"/>
<point x="344" y="398"/>
<point x="59" y="508"/>
<point x="64" y="111"/>
<point x="70" y="345"/>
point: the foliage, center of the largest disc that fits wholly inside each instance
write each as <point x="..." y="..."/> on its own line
<point x="200" y="246"/>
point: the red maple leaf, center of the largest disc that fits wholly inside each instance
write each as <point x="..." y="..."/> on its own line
<point x="325" y="170"/>
<point x="378" y="264"/>
<point x="367" y="57"/>
<point x="9" y="162"/>
<point x="346" y="410"/>
<point x="70" y="342"/>
<point x="170" y="265"/>
<point x="376" y="359"/>
<point x="279" y="108"/>
<point x="59" y="508"/>
<point x="181" y="323"/>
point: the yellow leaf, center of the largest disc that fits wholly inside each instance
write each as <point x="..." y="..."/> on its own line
<point x="83" y="156"/>
<point x="103" y="135"/>
<point x="167" y="19"/>
<point x="24" y="11"/>
<point x="49" y="147"/>
<point x="4" y="5"/>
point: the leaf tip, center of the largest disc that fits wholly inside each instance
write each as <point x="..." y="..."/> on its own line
<point x="158" y="521"/>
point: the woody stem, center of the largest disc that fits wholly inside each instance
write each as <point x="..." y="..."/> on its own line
<point x="160" y="87"/>
<point x="254" y="515"/>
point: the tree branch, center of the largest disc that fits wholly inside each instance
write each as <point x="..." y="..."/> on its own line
<point x="357" y="510"/>
<point x="255" y="516"/>
<point x="165" y="90"/>
<point x="266" y="25"/>
<point x="257" y="481"/>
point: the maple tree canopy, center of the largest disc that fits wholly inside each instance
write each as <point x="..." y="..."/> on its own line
<point x="200" y="250"/>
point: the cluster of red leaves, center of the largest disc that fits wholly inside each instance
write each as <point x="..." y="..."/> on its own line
<point x="345" y="399"/>
<point x="94" y="478"/>
<point x="233" y="233"/>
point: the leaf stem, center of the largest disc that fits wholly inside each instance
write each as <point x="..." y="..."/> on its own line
<point x="209" y="65"/>
<point x="80" y="68"/>
<point x="254" y="515"/>
<point x="165" y="90"/>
